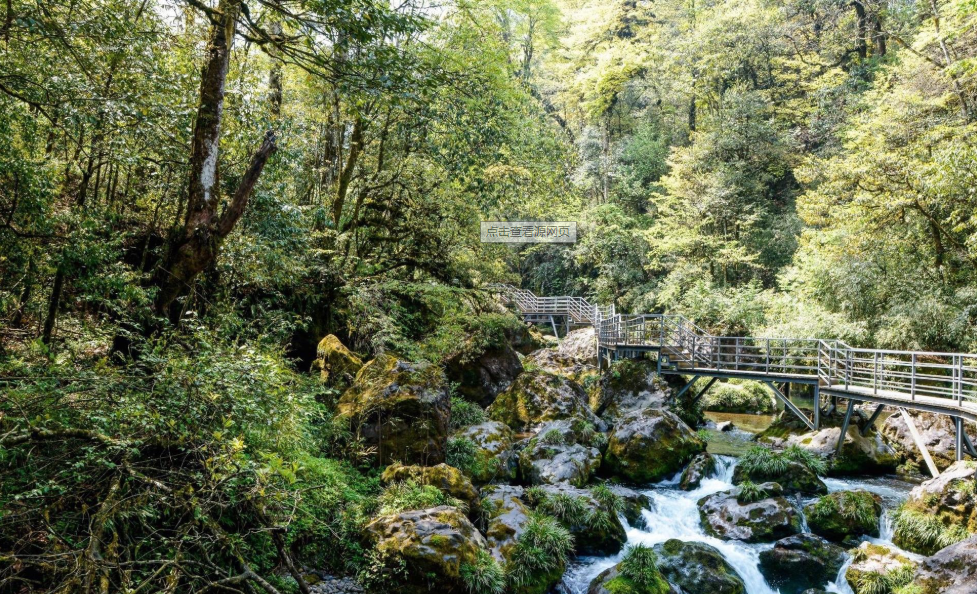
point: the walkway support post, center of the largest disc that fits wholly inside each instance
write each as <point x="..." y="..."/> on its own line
<point x="958" y="438"/>
<point x="934" y="471"/>
<point x="872" y="419"/>
<point x="790" y="405"/>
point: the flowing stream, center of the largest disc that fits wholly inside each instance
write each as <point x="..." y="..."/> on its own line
<point x="675" y="514"/>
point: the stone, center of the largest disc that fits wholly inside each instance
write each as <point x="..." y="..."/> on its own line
<point x="860" y="455"/>
<point x="845" y="516"/>
<point x="551" y="361"/>
<point x="766" y="520"/>
<point x="871" y="558"/>
<point x="433" y="543"/>
<point x="591" y="538"/>
<point x="561" y="452"/>
<point x="537" y="397"/>
<point x="482" y="378"/>
<point x="402" y="409"/>
<point x="505" y="515"/>
<point x="697" y="568"/>
<point x="494" y="458"/>
<point x="448" y="479"/>
<point x="937" y="432"/>
<point x="612" y="581"/>
<point x="800" y="562"/>
<point x="945" y="505"/>
<point x="725" y="426"/>
<point x="797" y="478"/>
<point x="580" y="345"/>
<point x="524" y="338"/>
<point x="628" y="386"/>
<point x="951" y="570"/>
<point x="702" y="467"/>
<point x="634" y="502"/>
<point x="650" y="445"/>
<point x="337" y="365"/>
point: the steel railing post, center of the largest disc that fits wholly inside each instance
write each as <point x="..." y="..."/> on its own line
<point x="912" y="384"/>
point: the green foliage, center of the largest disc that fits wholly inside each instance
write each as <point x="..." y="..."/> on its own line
<point x="542" y="549"/>
<point x="765" y="462"/>
<point x="485" y="576"/>
<point x="466" y="414"/>
<point x="894" y="581"/>
<point x="739" y="397"/>
<point x="568" y="509"/>
<point x="925" y="532"/>
<point x="640" y="566"/>
<point x="750" y="492"/>
<point x="409" y="495"/>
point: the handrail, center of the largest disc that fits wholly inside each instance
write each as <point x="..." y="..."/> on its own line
<point x="835" y="363"/>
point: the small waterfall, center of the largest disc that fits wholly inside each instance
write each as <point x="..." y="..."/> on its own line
<point x="886" y="529"/>
<point x="840" y="584"/>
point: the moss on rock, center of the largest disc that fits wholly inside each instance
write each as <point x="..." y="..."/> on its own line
<point x="649" y="445"/>
<point x="337" y="365"/>
<point x="845" y="515"/>
<point x="537" y="397"/>
<point x="447" y="479"/>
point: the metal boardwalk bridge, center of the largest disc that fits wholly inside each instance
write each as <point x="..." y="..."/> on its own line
<point x="941" y="383"/>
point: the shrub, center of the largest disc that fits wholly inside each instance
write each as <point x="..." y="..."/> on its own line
<point x="465" y="413"/>
<point x="640" y="565"/>
<point x="762" y="461"/>
<point x="925" y="533"/>
<point x="484" y="576"/>
<point x="409" y="495"/>
<point x="552" y="437"/>
<point x="750" y="492"/>
<point x="462" y="453"/>
<point x="568" y="509"/>
<point x="541" y="551"/>
<point x="894" y="581"/>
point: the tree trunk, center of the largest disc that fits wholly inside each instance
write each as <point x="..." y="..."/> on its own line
<point x="195" y="246"/>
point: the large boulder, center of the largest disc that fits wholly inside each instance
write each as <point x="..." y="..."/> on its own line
<point x="728" y="516"/>
<point x="505" y="515"/>
<point x="537" y="397"/>
<point x="336" y="364"/>
<point x="794" y="478"/>
<point x="481" y="378"/>
<point x="845" y="516"/>
<point x="870" y="561"/>
<point x="561" y="452"/>
<point x="702" y="467"/>
<point x="951" y="570"/>
<point x="936" y="431"/>
<point x="494" y="457"/>
<point x="697" y="568"/>
<point x="580" y="345"/>
<point x="524" y="338"/>
<point x="402" y="409"/>
<point x="629" y="385"/>
<point x="940" y="512"/>
<point x="649" y="445"/>
<point x="799" y="562"/>
<point x="597" y="530"/>
<point x="434" y="545"/>
<point x="551" y="361"/>
<point x="448" y="479"/>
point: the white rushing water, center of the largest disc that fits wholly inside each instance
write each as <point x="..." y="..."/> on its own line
<point x="675" y="514"/>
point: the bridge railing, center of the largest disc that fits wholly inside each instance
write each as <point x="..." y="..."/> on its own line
<point x="917" y="374"/>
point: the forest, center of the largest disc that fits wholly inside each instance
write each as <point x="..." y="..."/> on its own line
<point x="234" y="232"/>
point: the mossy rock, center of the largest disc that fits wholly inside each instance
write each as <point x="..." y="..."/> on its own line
<point x="766" y="520"/>
<point x="504" y="515"/>
<point x="950" y="571"/>
<point x="629" y="385"/>
<point x="876" y="559"/>
<point x="337" y="365"/>
<point x="796" y="478"/>
<point x="612" y="581"/>
<point x="494" y="456"/>
<point x="939" y="512"/>
<point x="537" y="397"/>
<point x="447" y="479"/>
<point x="402" y="409"/>
<point x="561" y="452"/>
<point x="650" y="445"/>
<point x="483" y="377"/>
<point x="591" y="538"/>
<point x="697" y="568"/>
<point x="845" y="516"/>
<point x="702" y="467"/>
<point x="800" y="562"/>
<point x="434" y="545"/>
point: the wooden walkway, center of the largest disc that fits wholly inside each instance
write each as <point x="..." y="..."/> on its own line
<point x="941" y="383"/>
